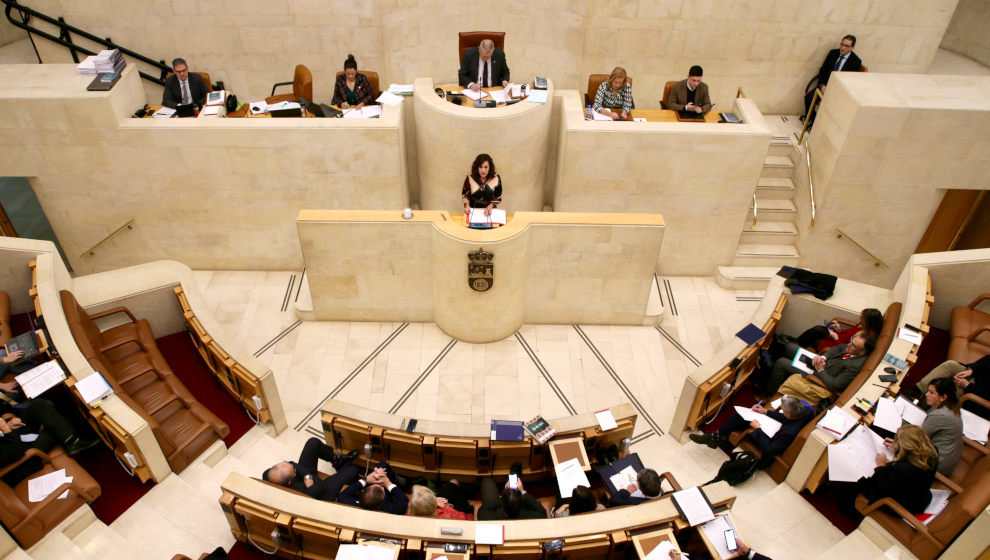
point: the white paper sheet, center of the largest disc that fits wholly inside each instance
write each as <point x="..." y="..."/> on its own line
<point x="909" y="411"/>
<point x="41" y="486"/>
<point x="28" y="438"/>
<point x="913" y="337"/>
<point x="389" y="98"/>
<point x="940" y="499"/>
<point x="769" y="426"/>
<point x="364" y="552"/>
<point x="887" y="416"/>
<point x="163" y="113"/>
<point x="639" y="119"/>
<point x="499" y="96"/>
<point x="487" y="533"/>
<point x="400" y="88"/>
<point x="798" y="363"/>
<point x="478" y="216"/>
<point x="661" y="551"/>
<point x="93" y="388"/>
<point x="366" y="112"/>
<point x="596" y="116"/>
<point x="837" y="422"/>
<point x="569" y="476"/>
<point x="694" y="506"/>
<point x="606" y="420"/>
<point x="37" y="380"/>
<point x="258" y="107"/>
<point x="516" y="90"/>
<point x="623" y="478"/>
<point x="715" y="532"/>
<point x="538" y="96"/>
<point x="974" y="427"/>
<point x="211" y="111"/>
<point x="855" y="456"/>
<point x="475" y="95"/>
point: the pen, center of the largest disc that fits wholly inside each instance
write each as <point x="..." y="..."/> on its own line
<point x="831" y="430"/>
<point x="881" y="386"/>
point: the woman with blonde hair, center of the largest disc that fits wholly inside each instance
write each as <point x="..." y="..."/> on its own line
<point x="614" y="97"/>
<point x="425" y="503"/>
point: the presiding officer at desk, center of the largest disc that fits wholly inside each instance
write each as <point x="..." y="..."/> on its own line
<point x="691" y="94"/>
<point x="483" y="66"/>
<point x="183" y="87"/>
<point x="352" y="89"/>
<point x="483" y="187"/>
<point x="615" y="93"/>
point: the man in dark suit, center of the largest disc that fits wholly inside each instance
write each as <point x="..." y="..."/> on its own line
<point x="646" y="487"/>
<point x="833" y="371"/>
<point x="184" y="87"/>
<point x="793" y="416"/>
<point x="483" y="66"/>
<point x="842" y="59"/>
<point x="377" y="491"/>
<point x="690" y="94"/>
<point x="24" y="431"/>
<point x="304" y="476"/>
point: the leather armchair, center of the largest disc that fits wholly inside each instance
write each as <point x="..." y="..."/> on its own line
<point x="471" y="39"/>
<point x="5" y="332"/>
<point x="666" y="94"/>
<point x="372" y="79"/>
<point x="204" y="75"/>
<point x="302" y="87"/>
<point x="595" y="80"/>
<point x="964" y="320"/>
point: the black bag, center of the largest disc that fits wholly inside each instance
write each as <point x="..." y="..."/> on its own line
<point x="231" y="102"/>
<point x="739" y="468"/>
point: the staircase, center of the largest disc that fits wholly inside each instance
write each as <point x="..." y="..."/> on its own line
<point x="764" y="248"/>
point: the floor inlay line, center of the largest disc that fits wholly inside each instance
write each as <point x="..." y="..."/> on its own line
<point x="618" y="380"/>
<point x="545" y="373"/>
<point x="277" y="338"/>
<point x="354" y="373"/>
<point x="299" y="289"/>
<point x="288" y="292"/>
<point x="422" y="377"/>
<point x="641" y="437"/>
<point x="670" y="296"/>
<point x="670" y="338"/>
<point x="315" y="432"/>
<point x="748" y="298"/>
<point x="656" y="280"/>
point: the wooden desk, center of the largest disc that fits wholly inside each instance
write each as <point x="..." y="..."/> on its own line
<point x="647" y="540"/>
<point x="711" y="546"/>
<point x="200" y="115"/>
<point x="465" y="101"/>
<point x="667" y="115"/>
<point x="570" y="448"/>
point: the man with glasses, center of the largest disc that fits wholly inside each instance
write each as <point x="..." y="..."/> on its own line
<point x="184" y="87"/>
<point x="842" y="59"/>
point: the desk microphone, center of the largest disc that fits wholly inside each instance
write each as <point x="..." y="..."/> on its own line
<point x="367" y="455"/>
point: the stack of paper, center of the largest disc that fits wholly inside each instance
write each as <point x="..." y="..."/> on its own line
<point x="909" y="411"/>
<point x="855" y="457"/>
<point x="596" y="116"/>
<point x="475" y="95"/>
<point x="623" y="478"/>
<point x="163" y="113"/>
<point x="887" y="416"/>
<point x="570" y="475"/>
<point x="37" y="380"/>
<point x="478" y="216"/>
<point x="93" y="388"/>
<point x="42" y="486"/>
<point x="940" y="499"/>
<point x="538" y="96"/>
<point x="693" y="506"/>
<point x="366" y="112"/>
<point x="837" y="422"/>
<point x="389" y="98"/>
<point x="975" y="427"/>
<point x="769" y="426"/>
<point x="914" y="337"/>
<point x="400" y="89"/>
<point x="606" y="420"/>
<point x="105" y="61"/>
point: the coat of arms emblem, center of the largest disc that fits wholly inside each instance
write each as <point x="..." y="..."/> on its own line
<point x="481" y="270"/>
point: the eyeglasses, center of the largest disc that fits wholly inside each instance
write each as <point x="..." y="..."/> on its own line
<point x="847" y="45"/>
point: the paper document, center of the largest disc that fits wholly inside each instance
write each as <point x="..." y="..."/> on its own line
<point x="486" y="533"/>
<point x="40" y="487"/>
<point x="499" y="96"/>
<point x="211" y="111"/>
<point x="258" y="107"/>
<point x="28" y="438"/>
<point x="693" y="506"/>
<point x="639" y="119"/>
<point x="538" y="96"/>
<point x="837" y="422"/>
<point x="776" y="404"/>
<point x="37" y="380"/>
<point x="887" y="416"/>
<point x="596" y="116"/>
<point x="398" y="89"/>
<point x="93" y="388"/>
<point x="478" y="216"/>
<point x="661" y="551"/>
<point x="163" y="113"/>
<point x="475" y="95"/>
<point x="606" y="420"/>
<point x="940" y="499"/>
<point x="715" y="532"/>
<point x="804" y="361"/>
<point x="569" y="476"/>
<point x="364" y="552"/>
<point x="974" y="427"/>
<point x="910" y="412"/>
<point x="516" y="90"/>
<point x="623" y="478"/>
<point x="769" y="426"/>
<point x="855" y="456"/>
<point x="914" y="337"/>
<point x="366" y="112"/>
<point x="389" y="98"/>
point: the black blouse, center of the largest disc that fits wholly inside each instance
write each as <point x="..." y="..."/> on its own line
<point x="483" y="195"/>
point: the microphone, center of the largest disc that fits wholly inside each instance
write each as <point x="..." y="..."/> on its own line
<point x="626" y="443"/>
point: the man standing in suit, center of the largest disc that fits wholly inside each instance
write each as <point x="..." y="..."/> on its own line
<point x="842" y="59"/>
<point x="483" y="66"/>
<point x="184" y="87"/>
<point x="690" y="94"/>
<point x="793" y="416"/>
<point x="377" y="492"/>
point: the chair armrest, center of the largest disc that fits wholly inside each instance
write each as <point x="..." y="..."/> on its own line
<point x="972" y="336"/>
<point x="975" y="399"/>
<point x="280" y="84"/>
<point x="907" y="516"/>
<point x="671" y="480"/>
<point x="842" y="321"/>
<point x="108" y="312"/>
<point x="978" y="299"/>
<point x="27" y="455"/>
<point x="119" y="343"/>
<point x="38" y="507"/>
<point x="944" y="480"/>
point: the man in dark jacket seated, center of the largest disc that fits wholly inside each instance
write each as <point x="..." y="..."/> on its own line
<point x="21" y="429"/>
<point x="377" y="491"/>
<point x="512" y="504"/>
<point x="304" y="477"/>
<point x="646" y="487"/>
<point x="793" y="416"/>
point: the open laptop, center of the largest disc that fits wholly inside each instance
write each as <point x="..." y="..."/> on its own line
<point x="690" y="116"/>
<point x="283" y="113"/>
<point x="185" y="111"/>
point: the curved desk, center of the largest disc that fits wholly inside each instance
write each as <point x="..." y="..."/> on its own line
<point x="449" y="137"/>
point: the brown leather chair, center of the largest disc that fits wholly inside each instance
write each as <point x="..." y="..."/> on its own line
<point x="964" y="320"/>
<point x="372" y="79"/>
<point x="665" y="100"/>
<point x="27" y="521"/>
<point x="470" y="39"/>
<point x="863" y="68"/>
<point x="204" y="75"/>
<point x="595" y="80"/>
<point x="302" y="87"/>
<point x="5" y="332"/>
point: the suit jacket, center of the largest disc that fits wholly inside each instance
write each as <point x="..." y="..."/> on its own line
<point x="789" y="429"/>
<point x="679" y="96"/>
<point x="468" y="73"/>
<point x="624" y="498"/>
<point x="853" y="64"/>
<point x="531" y="509"/>
<point x="839" y="372"/>
<point x="395" y="500"/>
<point x="173" y="94"/>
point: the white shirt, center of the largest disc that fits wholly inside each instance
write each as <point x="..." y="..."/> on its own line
<point x="842" y="62"/>
<point x="186" y="93"/>
<point x="481" y="71"/>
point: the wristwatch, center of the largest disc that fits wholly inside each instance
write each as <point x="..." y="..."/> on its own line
<point x="308" y="477"/>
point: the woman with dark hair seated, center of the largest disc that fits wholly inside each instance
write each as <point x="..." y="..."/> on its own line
<point x="352" y="89"/>
<point x="820" y="337"/>
<point x="943" y="424"/>
<point x="582" y="501"/>
<point x="483" y="187"/>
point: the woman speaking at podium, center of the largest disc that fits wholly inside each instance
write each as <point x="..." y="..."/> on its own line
<point x="483" y="187"/>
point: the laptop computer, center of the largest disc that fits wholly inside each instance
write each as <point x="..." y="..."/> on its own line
<point x="284" y="113"/>
<point x="28" y="342"/>
<point x="185" y="111"/>
<point x="690" y="116"/>
<point x="322" y="110"/>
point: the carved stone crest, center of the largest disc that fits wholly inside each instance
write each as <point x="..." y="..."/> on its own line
<point x="481" y="270"/>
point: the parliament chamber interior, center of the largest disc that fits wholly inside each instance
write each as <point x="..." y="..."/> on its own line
<point x="563" y="321"/>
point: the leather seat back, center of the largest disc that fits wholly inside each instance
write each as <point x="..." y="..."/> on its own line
<point x="891" y="319"/>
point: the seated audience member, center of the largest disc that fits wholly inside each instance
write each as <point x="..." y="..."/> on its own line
<point x="969" y="378"/>
<point x="943" y="424"/>
<point x="377" y="491"/>
<point x="646" y="487"/>
<point x="793" y="416"/>
<point x="29" y="421"/>
<point x="427" y="504"/>
<point x="582" y="500"/>
<point x="511" y="504"/>
<point x="352" y="89"/>
<point x="482" y="187"/>
<point x="842" y="59"/>
<point x="747" y="553"/>
<point x="833" y="371"/>
<point x="614" y="97"/>
<point x="11" y="392"/>
<point x="907" y="479"/>
<point x="304" y="476"/>
<point x="483" y="66"/>
<point x="690" y="94"/>
<point x="820" y="338"/>
<point x="184" y="87"/>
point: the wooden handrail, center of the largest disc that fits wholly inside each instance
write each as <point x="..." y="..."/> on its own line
<point x="876" y="261"/>
<point x="811" y="109"/>
<point x="811" y="184"/>
<point x="756" y="208"/>
<point x="92" y="250"/>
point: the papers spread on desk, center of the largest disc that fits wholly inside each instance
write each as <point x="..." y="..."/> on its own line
<point x="769" y="426"/>
<point x="855" y="457"/>
<point x="538" y="96"/>
<point x="41" y="487"/>
<point x="478" y="216"/>
<point x="940" y="499"/>
<point x="804" y="361"/>
<point x="974" y="427"/>
<point x="258" y="107"/>
<point x="389" y="98"/>
<point x="364" y="552"/>
<point x="400" y="89"/>
<point x="282" y="105"/>
<point x="163" y="113"/>
<point x="914" y="337"/>
<point x="909" y="411"/>
<point x="366" y="112"/>
<point x="93" y="388"/>
<point x="641" y="119"/>
<point x="606" y="420"/>
<point x="596" y="116"/>
<point x="715" y="533"/>
<point x="570" y="475"/>
<point x="887" y="416"/>
<point x="37" y="380"/>
<point x="211" y="111"/>
<point x="623" y="478"/>
<point x="837" y="422"/>
<point x="487" y="533"/>
<point x="693" y="506"/>
<point x="661" y="551"/>
<point x="474" y="95"/>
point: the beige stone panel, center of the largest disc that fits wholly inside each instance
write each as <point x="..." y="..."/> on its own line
<point x="966" y="33"/>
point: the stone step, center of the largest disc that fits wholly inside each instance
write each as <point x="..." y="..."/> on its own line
<point x="777" y="166"/>
<point x="761" y="254"/>
<point x="770" y="233"/>
<point x="100" y="541"/>
<point x="57" y="546"/>
<point x="745" y="277"/>
<point x="772" y="210"/>
<point x="775" y="187"/>
<point x="782" y="147"/>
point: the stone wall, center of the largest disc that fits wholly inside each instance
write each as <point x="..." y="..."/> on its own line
<point x="969" y="31"/>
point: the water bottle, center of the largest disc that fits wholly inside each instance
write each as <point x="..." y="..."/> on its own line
<point x="587" y="112"/>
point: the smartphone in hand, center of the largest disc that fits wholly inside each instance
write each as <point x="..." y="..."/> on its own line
<point x="514" y="482"/>
<point x="730" y="540"/>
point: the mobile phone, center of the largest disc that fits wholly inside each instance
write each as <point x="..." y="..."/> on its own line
<point x="514" y="481"/>
<point x="888" y="378"/>
<point x="912" y="327"/>
<point x="555" y="544"/>
<point x="411" y="426"/>
<point x="459" y="548"/>
<point x="730" y="540"/>
<point x="890" y="370"/>
<point x="829" y="326"/>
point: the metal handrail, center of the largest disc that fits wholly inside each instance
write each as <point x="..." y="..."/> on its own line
<point x="755" y="210"/>
<point x="815" y="100"/>
<point x="876" y="260"/>
<point x="811" y="184"/>
<point x="64" y="38"/>
<point x="92" y="250"/>
<point x="740" y="93"/>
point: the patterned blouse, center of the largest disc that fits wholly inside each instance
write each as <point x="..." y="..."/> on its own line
<point x="362" y="92"/>
<point x="480" y="196"/>
<point x="611" y="100"/>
